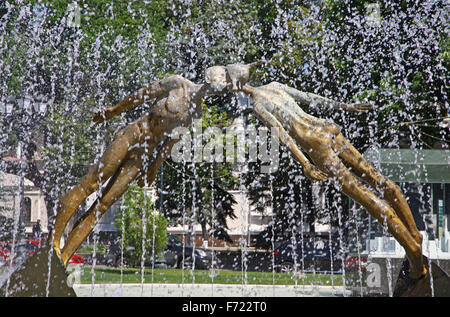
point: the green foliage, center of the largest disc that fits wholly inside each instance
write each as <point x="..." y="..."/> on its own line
<point x="140" y="226"/>
<point x="219" y="22"/>
<point x="292" y="51"/>
<point x="64" y="127"/>
<point x="111" y="17"/>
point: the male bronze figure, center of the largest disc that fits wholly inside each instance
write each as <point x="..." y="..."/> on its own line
<point x="177" y="103"/>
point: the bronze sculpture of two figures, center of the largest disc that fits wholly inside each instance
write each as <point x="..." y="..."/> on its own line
<point x="177" y="101"/>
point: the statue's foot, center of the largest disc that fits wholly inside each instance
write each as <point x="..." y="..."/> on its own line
<point x="411" y="287"/>
<point x="434" y="282"/>
<point x="57" y="251"/>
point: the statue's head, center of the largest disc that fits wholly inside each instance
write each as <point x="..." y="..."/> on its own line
<point x="233" y="76"/>
<point x="239" y="74"/>
<point x="216" y="77"/>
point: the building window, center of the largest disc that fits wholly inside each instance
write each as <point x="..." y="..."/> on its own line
<point x="441" y="208"/>
<point x="419" y="197"/>
<point x="27" y="210"/>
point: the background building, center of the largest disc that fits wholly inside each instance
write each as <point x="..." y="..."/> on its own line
<point x="34" y="204"/>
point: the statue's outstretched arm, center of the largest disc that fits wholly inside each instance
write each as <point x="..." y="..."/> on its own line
<point x="158" y="89"/>
<point x="269" y="120"/>
<point x="312" y="100"/>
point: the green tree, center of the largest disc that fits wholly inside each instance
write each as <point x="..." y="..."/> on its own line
<point x="142" y="229"/>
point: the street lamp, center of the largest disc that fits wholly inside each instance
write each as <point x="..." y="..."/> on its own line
<point x="28" y="108"/>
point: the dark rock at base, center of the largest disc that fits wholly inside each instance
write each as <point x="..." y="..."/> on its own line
<point x="30" y="279"/>
<point x="435" y="284"/>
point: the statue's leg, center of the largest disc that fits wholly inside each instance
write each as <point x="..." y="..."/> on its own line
<point x="126" y="174"/>
<point x="99" y="173"/>
<point x="390" y="191"/>
<point x="328" y="161"/>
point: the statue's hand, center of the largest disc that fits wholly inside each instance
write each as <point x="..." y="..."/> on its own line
<point x="99" y="117"/>
<point x="359" y="107"/>
<point x="314" y="174"/>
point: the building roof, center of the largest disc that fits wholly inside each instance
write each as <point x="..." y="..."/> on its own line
<point x="411" y="165"/>
<point x="11" y="180"/>
<point x="105" y="227"/>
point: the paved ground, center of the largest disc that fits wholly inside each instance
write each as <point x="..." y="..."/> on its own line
<point x="205" y="290"/>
